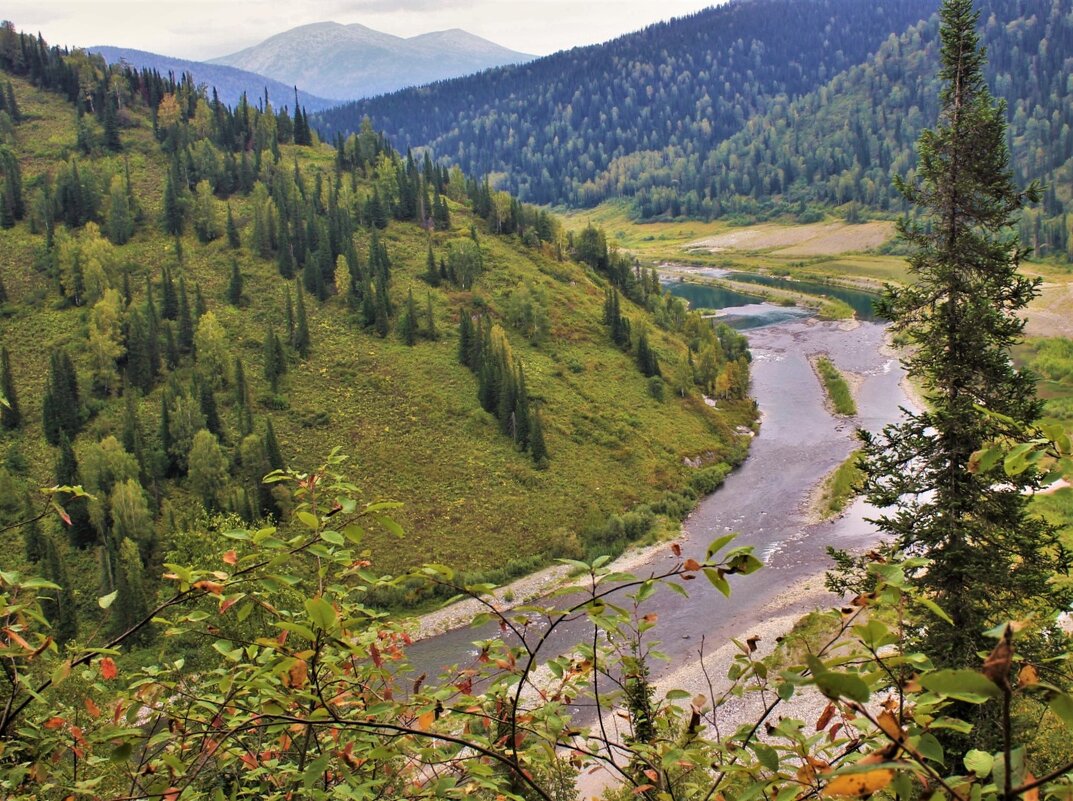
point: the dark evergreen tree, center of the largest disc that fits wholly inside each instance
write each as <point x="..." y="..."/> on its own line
<point x="169" y="304"/>
<point x="139" y="367"/>
<point x="61" y="403"/>
<point x="991" y="560"/>
<point x="174" y="205"/>
<point x="207" y="400"/>
<point x="272" y="451"/>
<point x="537" y="448"/>
<point x="274" y="361"/>
<point x="81" y="532"/>
<point x="465" y="338"/>
<point x="646" y="357"/>
<point x="234" y="286"/>
<point x="10" y="416"/>
<point x="233" y="240"/>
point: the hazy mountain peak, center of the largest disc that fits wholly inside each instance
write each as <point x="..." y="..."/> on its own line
<point x="340" y="61"/>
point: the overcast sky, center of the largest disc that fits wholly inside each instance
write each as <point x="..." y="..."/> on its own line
<point x="200" y="29"/>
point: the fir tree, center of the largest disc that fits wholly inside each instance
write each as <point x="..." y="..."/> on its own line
<point x="432" y="273"/>
<point x="81" y="532"/>
<point x="61" y="403"/>
<point x="537" y="448"/>
<point x="272" y="451"/>
<point x="10" y="417"/>
<point x="173" y="203"/>
<point x="139" y="368"/>
<point x="274" y="361"/>
<point x="234" y="286"/>
<point x="131" y="605"/>
<point x="991" y="560"/>
<point x="207" y="400"/>
<point x="169" y="304"/>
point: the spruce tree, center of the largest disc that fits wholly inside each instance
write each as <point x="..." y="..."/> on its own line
<point x="990" y="559"/>
<point x="242" y="400"/>
<point x="234" y="286"/>
<point x="465" y="338"/>
<point x="207" y="401"/>
<point x="233" y="240"/>
<point x="10" y="417"/>
<point x="274" y="362"/>
<point x="32" y="538"/>
<point x="432" y="272"/>
<point x="537" y="448"/>
<point x="169" y="304"/>
<point x="272" y="451"/>
<point x="81" y="532"/>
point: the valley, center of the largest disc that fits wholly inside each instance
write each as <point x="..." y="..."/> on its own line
<point x="684" y="417"/>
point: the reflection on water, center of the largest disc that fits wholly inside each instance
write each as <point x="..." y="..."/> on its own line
<point x="743" y="311"/>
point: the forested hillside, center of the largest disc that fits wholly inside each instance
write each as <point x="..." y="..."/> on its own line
<point x="848" y="140"/>
<point x="195" y="295"/>
<point x="555" y="125"/>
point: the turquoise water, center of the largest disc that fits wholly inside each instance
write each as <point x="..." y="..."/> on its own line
<point x="745" y="311"/>
<point x="861" y="302"/>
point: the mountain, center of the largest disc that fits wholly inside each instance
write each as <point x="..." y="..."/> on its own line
<point x="554" y="125"/>
<point x="847" y="141"/>
<point x="229" y="82"/>
<point x="193" y="298"/>
<point x="352" y="61"/>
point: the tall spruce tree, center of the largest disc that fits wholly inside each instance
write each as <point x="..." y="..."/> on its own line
<point x="990" y="559"/>
<point x="300" y="338"/>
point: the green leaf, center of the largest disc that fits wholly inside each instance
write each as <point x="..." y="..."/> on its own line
<point x="308" y="520"/>
<point x="842" y="685"/>
<point x="935" y="609"/>
<point x="718" y="544"/>
<point x="717" y="581"/>
<point x="121" y="753"/>
<point x="332" y="537"/>
<point x="767" y="756"/>
<point x="961" y="685"/>
<point x="930" y="748"/>
<point x="979" y="762"/>
<point x="107" y="600"/>
<point x="321" y="614"/>
<point x="1062" y="705"/>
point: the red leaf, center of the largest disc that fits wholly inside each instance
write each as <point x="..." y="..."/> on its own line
<point x="691" y="564"/>
<point x="230" y="558"/>
<point x="374" y="653"/>
<point x="54" y="723"/>
<point x="108" y="669"/>
<point x="676" y="549"/>
<point x="93" y="710"/>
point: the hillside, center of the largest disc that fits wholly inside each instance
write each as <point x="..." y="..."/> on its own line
<point x="549" y="128"/>
<point x="845" y="142"/>
<point x="186" y="395"/>
<point x="346" y="62"/>
<point x="229" y="82"/>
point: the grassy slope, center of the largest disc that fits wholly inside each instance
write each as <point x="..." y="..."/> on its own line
<point x="408" y="416"/>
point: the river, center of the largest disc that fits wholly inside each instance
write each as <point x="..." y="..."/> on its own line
<point x="799" y="443"/>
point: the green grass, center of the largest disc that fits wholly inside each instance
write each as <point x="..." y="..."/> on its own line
<point x="840" y="487"/>
<point x="407" y="416"/>
<point x="834" y="384"/>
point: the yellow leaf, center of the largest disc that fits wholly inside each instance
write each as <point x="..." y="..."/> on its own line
<point x="1028" y="676"/>
<point x="426" y="719"/>
<point x="889" y="724"/>
<point x="858" y="785"/>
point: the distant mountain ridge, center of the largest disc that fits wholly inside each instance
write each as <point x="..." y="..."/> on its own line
<point x="229" y="82"/>
<point x="550" y="128"/>
<point x="347" y="62"/>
